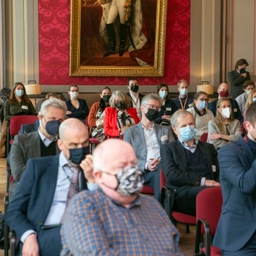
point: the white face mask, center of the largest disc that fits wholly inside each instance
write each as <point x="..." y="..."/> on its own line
<point x="73" y="95"/>
<point x="183" y="92"/>
<point x="226" y="112"/>
<point x="254" y="99"/>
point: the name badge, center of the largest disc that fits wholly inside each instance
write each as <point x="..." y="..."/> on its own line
<point x="213" y="168"/>
<point x="168" y="109"/>
<point x="24" y="107"/>
<point x="235" y="109"/>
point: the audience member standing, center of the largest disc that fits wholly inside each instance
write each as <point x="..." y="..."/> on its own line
<point x="76" y="107"/>
<point x="237" y="77"/>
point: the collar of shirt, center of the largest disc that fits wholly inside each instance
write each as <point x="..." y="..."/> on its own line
<point x="185" y="145"/>
<point x="145" y="129"/>
<point x="45" y="140"/>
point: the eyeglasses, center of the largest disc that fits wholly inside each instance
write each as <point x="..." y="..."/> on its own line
<point x="73" y="91"/>
<point x="152" y="106"/>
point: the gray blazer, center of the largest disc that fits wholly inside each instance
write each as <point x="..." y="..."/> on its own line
<point x="135" y="136"/>
<point x="24" y="147"/>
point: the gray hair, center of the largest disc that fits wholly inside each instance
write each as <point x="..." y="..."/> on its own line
<point x="122" y="95"/>
<point x="177" y="114"/>
<point x="56" y="103"/>
<point x="151" y="96"/>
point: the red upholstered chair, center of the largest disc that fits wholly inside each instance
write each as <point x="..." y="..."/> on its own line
<point x="147" y="190"/>
<point x="208" y="210"/>
<point x="167" y="198"/>
<point x="203" y="137"/>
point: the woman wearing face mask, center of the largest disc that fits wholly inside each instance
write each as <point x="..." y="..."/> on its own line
<point x="118" y="116"/>
<point x="168" y="105"/>
<point x="18" y="103"/>
<point x="201" y="114"/>
<point x="77" y="108"/>
<point x="251" y="98"/>
<point x="96" y="114"/>
<point x="223" y="128"/>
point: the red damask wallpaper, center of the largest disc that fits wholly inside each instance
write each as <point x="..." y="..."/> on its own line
<point x="54" y="20"/>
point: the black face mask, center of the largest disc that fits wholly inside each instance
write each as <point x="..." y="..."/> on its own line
<point x="242" y="70"/>
<point x="77" y="155"/>
<point x="120" y="105"/>
<point x="134" y="88"/>
<point x="106" y="98"/>
<point x="152" y="114"/>
<point x="52" y="127"/>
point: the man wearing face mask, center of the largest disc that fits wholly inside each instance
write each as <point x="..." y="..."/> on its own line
<point x="135" y="96"/>
<point x="42" y="142"/>
<point x="115" y="219"/>
<point x="146" y="138"/>
<point x="236" y="232"/>
<point x="189" y="165"/>
<point x="39" y="205"/>
<point x="223" y="92"/>
<point x="183" y="101"/>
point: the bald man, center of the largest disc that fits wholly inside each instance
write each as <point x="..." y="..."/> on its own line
<point x="47" y="184"/>
<point x="223" y="91"/>
<point x="115" y="219"/>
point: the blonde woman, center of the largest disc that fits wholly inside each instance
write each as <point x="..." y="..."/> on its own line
<point x="223" y="129"/>
<point x="251" y="98"/>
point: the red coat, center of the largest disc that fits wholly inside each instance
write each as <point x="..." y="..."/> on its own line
<point x="110" y="120"/>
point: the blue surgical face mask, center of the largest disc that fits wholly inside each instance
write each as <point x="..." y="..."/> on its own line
<point x="52" y="127"/>
<point x="187" y="133"/>
<point x="202" y="105"/>
<point x="163" y="94"/>
<point x="247" y="92"/>
<point x="77" y="155"/>
<point x="19" y="92"/>
<point x="183" y="92"/>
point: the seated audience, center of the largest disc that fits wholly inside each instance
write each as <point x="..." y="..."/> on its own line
<point x="168" y="106"/>
<point x="119" y="116"/>
<point x="134" y="95"/>
<point x="251" y="98"/>
<point x="189" y="165"/>
<point x="76" y="107"/>
<point x="223" y="92"/>
<point x="97" y="109"/>
<point x="223" y="128"/>
<point x="115" y="219"/>
<point x="42" y="142"/>
<point x="146" y="138"/>
<point x="201" y="114"/>
<point x="183" y="101"/>
<point x="236" y="232"/>
<point x="18" y="103"/>
<point x="46" y="186"/>
<point x="242" y="98"/>
<point x="49" y="95"/>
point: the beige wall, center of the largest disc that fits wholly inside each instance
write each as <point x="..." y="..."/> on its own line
<point x="222" y="31"/>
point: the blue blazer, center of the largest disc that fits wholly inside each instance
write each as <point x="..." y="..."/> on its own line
<point x="33" y="198"/>
<point x="238" y="182"/>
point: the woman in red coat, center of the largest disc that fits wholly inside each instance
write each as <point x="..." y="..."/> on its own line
<point x="119" y="115"/>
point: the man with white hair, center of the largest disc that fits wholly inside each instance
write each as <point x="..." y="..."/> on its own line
<point x="115" y="219"/>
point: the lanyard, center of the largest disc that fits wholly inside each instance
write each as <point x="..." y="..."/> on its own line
<point x="185" y="102"/>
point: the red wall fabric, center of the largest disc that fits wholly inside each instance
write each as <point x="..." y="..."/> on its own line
<point x="54" y="29"/>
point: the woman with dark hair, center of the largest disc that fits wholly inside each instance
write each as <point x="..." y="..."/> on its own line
<point x="18" y="103"/>
<point x="237" y="77"/>
<point x="118" y="116"/>
<point x="77" y="108"/>
<point x="97" y="109"/>
<point x="201" y="114"/>
<point x="223" y="129"/>
<point x="168" y="105"/>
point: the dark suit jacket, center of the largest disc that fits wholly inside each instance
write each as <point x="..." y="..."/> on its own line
<point x="140" y="98"/>
<point x="190" y="100"/>
<point x="81" y="112"/>
<point x="174" y="164"/>
<point x="238" y="182"/>
<point x="236" y="81"/>
<point x="235" y="109"/>
<point x="110" y="120"/>
<point x="27" y="128"/>
<point x="31" y="204"/>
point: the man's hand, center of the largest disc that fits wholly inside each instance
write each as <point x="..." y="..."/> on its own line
<point x="30" y="246"/>
<point x="153" y="164"/>
<point x="244" y="74"/>
<point x="87" y="167"/>
<point x="166" y="117"/>
<point x="211" y="183"/>
<point x="69" y="112"/>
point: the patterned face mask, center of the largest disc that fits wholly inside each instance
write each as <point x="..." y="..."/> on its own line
<point x="130" y="181"/>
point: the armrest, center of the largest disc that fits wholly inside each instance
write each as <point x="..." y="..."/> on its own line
<point x="167" y="200"/>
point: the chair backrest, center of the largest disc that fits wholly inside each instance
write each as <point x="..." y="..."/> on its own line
<point x="17" y="121"/>
<point x="208" y="207"/>
<point x="204" y="136"/>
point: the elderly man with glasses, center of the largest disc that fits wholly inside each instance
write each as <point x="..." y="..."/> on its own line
<point x="146" y="138"/>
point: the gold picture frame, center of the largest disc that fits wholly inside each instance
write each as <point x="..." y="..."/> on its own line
<point x="77" y="66"/>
